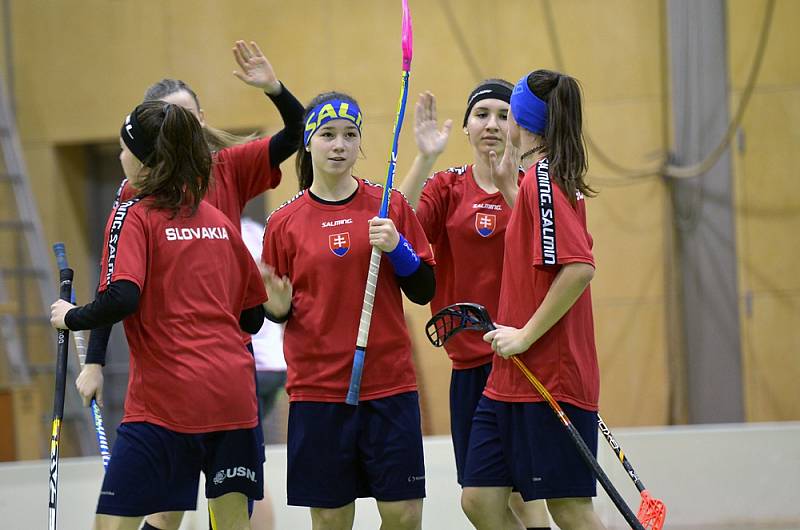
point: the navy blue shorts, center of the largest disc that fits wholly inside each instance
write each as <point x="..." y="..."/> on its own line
<point x="155" y="469"/>
<point x="337" y="452"/>
<point x="525" y="446"/>
<point x="466" y="388"/>
<point x="260" y="434"/>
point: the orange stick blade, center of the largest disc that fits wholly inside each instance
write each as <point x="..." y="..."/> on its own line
<point x="652" y="512"/>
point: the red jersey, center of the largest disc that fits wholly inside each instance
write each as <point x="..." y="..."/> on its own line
<point x="324" y="250"/>
<point x="545" y="232"/>
<point x="189" y="370"/>
<point x="466" y="227"/>
<point x="238" y="173"/>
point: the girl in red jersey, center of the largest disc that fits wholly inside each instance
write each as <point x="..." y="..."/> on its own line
<point x="243" y="168"/>
<point x="190" y="404"/>
<point x="240" y="170"/>
<point x="316" y="252"/>
<point x="464" y="215"/>
<point x="545" y="315"/>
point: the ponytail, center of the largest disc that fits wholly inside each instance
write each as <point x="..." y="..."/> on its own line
<point x="180" y="166"/>
<point x="563" y="137"/>
<point x="304" y="168"/>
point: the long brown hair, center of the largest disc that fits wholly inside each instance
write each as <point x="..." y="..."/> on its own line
<point x="563" y="137"/>
<point x="177" y="172"/>
<point x="217" y="138"/>
<point x="302" y="162"/>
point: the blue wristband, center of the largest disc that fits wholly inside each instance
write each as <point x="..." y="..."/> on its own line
<point x="404" y="260"/>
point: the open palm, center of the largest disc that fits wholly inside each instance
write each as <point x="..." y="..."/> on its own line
<point x="505" y="170"/>
<point x="431" y="140"/>
<point x="255" y="68"/>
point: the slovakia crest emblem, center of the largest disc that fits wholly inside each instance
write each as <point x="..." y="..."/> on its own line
<point x="339" y="243"/>
<point x="485" y="223"/>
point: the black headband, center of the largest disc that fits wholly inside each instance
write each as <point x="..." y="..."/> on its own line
<point x="138" y="141"/>
<point x="486" y="91"/>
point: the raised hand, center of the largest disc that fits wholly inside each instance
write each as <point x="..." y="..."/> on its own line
<point x="504" y="172"/>
<point x="279" y="291"/>
<point x="256" y="69"/>
<point x="431" y="140"/>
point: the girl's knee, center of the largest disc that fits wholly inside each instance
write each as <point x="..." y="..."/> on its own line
<point x="402" y="515"/>
<point x="570" y="513"/>
<point x="332" y="518"/>
<point x="472" y="502"/>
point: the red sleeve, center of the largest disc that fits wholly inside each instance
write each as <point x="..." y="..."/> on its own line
<point x="432" y="206"/>
<point x="273" y="253"/>
<point x="254" y="291"/>
<point x="126" y="247"/>
<point x="124" y="193"/>
<point x="409" y="226"/>
<point x="560" y="234"/>
<point x="250" y="168"/>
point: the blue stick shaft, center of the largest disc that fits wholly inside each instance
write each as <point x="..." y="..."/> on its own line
<point x="392" y="167"/>
<point x="354" y="390"/>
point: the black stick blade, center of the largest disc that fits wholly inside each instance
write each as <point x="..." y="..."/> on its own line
<point x="455" y="318"/>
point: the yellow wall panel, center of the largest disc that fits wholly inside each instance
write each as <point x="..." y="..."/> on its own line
<point x="770" y="342"/>
<point x="632" y="354"/>
<point x="781" y="66"/>
<point x="80" y="65"/>
<point x="767" y="223"/>
<point x="613" y="47"/>
<point x="768" y="217"/>
<point x="629" y="132"/>
<point x="59" y="189"/>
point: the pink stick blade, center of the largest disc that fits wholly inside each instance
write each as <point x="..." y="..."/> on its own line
<point x="408" y="41"/>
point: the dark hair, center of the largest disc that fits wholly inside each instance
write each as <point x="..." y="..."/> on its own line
<point x="165" y="87"/>
<point x="302" y="162"/>
<point x="563" y="138"/>
<point x="217" y="138"/>
<point x="496" y="81"/>
<point x="492" y="85"/>
<point x="180" y="166"/>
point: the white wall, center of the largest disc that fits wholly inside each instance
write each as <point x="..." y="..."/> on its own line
<point x="708" y="476"/>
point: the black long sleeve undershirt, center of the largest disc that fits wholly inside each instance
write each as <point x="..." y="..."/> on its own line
<point x="420" y="286"/>
<point x="283" y="144"/>
<point x="98" y="343"/>
<point x="252" y="319"/>
<point x="278" y="320"/>
<point x="112" y="305"/>
<point x="119" y="300"/>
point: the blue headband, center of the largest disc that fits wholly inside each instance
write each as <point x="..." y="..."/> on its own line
<point x="529" y="111"/>
<point x="333" y="109"/>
